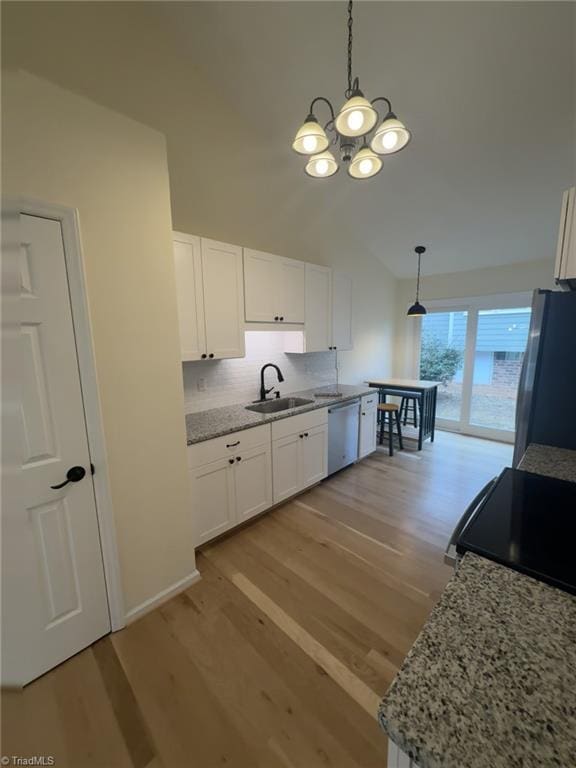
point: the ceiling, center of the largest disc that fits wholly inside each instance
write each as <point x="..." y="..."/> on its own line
<point x="487" y="88"/>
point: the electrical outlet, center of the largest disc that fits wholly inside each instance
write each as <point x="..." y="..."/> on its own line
<point x="202" y="385"/>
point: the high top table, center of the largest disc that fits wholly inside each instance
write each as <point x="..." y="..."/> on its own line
<point x="428" y="391"/>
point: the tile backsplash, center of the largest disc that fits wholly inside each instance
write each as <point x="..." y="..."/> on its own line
<point x="238" y="381"/>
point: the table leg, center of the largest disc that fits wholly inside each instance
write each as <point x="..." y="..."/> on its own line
<point x="434" y="400"/>
<point x="422" y="420"/>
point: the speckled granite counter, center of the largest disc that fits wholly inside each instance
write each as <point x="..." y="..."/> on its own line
<point x="216" y="422"/>
<point x="546" y="460"/>
<point x="491" y="680"/>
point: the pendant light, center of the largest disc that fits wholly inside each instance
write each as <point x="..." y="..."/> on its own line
<point x="417" y="310"/>
<point x="349" y="131"/>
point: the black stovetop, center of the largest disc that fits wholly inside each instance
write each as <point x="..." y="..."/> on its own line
<point x="527" y="522"/>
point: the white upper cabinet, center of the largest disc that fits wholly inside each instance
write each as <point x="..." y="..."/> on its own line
<point x="210" y="294"/>
<point x="188" y="264"/>
<point x="342" y="287"/>
<point x="274" y="288"/>
<point x="565" y="270"/>
<point x="223" y="299"/>
<point x="318" y="328"/>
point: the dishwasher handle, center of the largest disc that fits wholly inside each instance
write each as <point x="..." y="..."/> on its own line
<point x="450" y="556"/>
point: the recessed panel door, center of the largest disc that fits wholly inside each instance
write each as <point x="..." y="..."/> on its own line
<point x="54" y="595"/>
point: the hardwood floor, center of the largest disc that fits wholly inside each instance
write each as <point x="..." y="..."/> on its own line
<point x="278" y="657"/>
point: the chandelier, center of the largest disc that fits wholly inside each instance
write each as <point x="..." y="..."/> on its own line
<point x="350" y="131"/>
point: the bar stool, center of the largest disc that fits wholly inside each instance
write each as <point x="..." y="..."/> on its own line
<point x="393" y="412"/>
<point x="409" y="407"/>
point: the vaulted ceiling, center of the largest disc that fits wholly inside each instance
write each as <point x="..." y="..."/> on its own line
<point x="487" y="88"/>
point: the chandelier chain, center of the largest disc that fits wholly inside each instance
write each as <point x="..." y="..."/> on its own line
<point x="350" y="23"/>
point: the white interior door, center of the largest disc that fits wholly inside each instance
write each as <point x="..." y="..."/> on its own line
<point x="54" y="590"/>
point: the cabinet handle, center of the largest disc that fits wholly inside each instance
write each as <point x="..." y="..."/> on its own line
<point x="238" y="458"/>
<point x="281" y="319"/>
<point x="211" y="354"/>
<point x="305" y="434"/>
<point x="204" y="357"/>
<point x="276" y="318"/>
<point x="233" y="445"/>
<point x="300" y="436"/>
<point x="230" y="461"/>
<point x="363" y="414"/>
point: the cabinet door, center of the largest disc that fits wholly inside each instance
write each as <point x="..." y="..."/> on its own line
<point x="368" y="431"/>
<point x="342" y="311"/>
<point x="318" y="327"/>
<point x="260" y="286"/>
<point x="189" y="295"/>
<point x="286" y="466"/>
<point x="213" y="501"/>
<point x="290" y="290"/>
<point x="223" y="283"/>
<point x="314" y="455"/>
<point x="253" y="481"/>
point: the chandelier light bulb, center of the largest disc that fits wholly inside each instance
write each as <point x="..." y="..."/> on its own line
<point x="321" y="166"/>
<point x="364" y="164"/>
<point x="311" y="138"/>
<point x="357" y="117"/>
<point x="391" y="136"/>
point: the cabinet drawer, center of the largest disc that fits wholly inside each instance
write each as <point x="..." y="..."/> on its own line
<point x="302" y="421"/>
<point x="222" y="447"/>
<point x="370" y="401"/>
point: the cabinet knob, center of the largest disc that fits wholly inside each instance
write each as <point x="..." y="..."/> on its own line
<point x="238" y="458"/>
<point x="211" y="355"/>
<point x="276" y="318"/>
<point x="281" y="318"/>
<point x="204" y="357"/>
<point x="300" y="436"/>
<point x="230" y="461"/>
<point x="305" y="434"/>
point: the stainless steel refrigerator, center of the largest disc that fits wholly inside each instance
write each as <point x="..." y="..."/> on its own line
<point x="546" y="405"/>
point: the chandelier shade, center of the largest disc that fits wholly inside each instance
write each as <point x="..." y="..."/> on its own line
<point x="391" y="136"/>
<point x="364" y="164"/>
<point x="322" y="165"/>
<point x="350" y="131"/>
<point x="356" y="118"/>
<point x="311" y="138"/>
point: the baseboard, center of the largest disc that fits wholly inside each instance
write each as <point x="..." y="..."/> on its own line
<point x="162" y="597"/>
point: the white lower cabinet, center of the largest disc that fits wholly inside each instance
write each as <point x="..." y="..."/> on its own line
<point x="231" y="480"/>
<point x="299" y="453"/>
<point x="253" y="482"/>
<point x="242" y="474"/>
<point x="368" y="425"/>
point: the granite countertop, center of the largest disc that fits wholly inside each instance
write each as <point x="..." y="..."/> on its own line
<point x="216" y="422"/>
<point x="546" y="460"/>
<point x="491" y="680"/>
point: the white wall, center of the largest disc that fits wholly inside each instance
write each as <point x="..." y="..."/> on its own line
<point x="513" y="278"/>
<point x="238" y="381"/>
<point x="61" y="148"/>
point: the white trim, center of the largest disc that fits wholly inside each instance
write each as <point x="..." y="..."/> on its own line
<point x="493" y="301"/>
<point x="68" y="218"/>
<point x="162" y="597"/>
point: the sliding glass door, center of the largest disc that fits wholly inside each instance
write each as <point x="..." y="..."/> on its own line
<point x="476" y="353"/>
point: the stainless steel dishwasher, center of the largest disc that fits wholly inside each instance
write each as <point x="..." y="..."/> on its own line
<point x="343" y="425"/>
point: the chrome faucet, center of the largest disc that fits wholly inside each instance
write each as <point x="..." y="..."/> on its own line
<point x="263" y="390"/>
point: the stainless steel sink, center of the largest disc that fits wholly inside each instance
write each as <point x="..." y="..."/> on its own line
<point x="281" y="404"/>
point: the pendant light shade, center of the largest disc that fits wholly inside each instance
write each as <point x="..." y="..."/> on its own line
<point x="364" y="164"/>
<point x="311" y="138"/>
<point x="417" y="310"/>
<point x="391" y="136"/>
<point x="322" y="165"/>
<point x="357" y="117"/>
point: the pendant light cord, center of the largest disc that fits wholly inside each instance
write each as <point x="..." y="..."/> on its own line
<point x="418" y="280"/>
<point x="350" y="23"/>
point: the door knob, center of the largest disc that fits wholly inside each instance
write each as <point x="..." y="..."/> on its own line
<point x="74" y="475"/>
